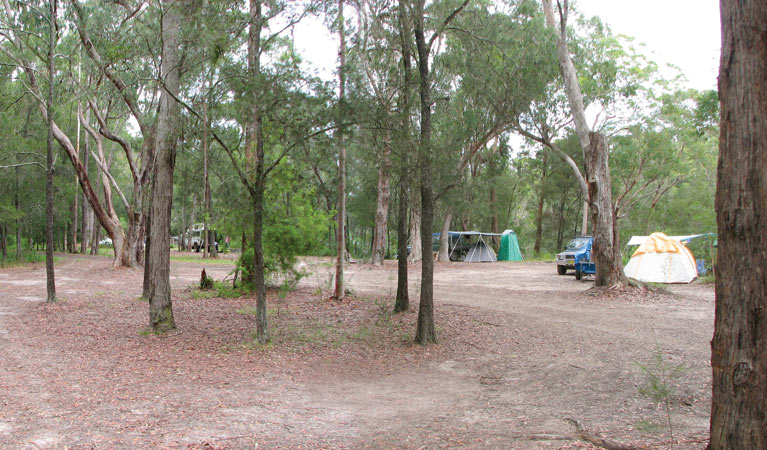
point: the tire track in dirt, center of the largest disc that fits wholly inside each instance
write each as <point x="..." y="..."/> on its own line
<point x="578" y="357"/>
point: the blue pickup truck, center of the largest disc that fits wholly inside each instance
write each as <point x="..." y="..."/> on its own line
<point x="577" y="256"/>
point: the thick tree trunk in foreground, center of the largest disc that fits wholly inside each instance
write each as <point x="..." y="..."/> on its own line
<point x="160" y="305"/>
<point x="382" y="205"/>
<point x="606" y="251"/>
<point x="739" y="347"/>
<point x="49" y="273"/>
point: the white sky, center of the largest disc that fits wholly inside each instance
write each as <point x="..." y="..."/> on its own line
<point x="685" y="33"/>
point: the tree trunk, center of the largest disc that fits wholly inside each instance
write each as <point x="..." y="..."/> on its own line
<point x="147" y="286"/>
<point x="4" y="241"/>
<point x="49" y="272"/>
<point x="206" y="181"/>
<point x="95" y="237"/>
<point x="86" y="217"/>
<point x="123" y="245"/>
<point x="444" y="237"/>
<point x="341" y="204"/>
<point x="425" y="331"/>
<point x="605" y="251"/>
<point x="415" y="232"/>
<point x="541" y="199"/>
<point x="402" y="302"/>
<point x="382" y="205"/>
<point x="17" y="205"/>
<point x="255" y="147"/>
<point x="160" y="305"/>
<point x="110" y="224"/>
<point x="494" y="226"/>
<point x="739" y="346"/>
<point x="75" y="214"/>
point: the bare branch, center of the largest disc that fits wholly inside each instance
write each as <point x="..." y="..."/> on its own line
<point x="104" y="130"/>
<point x="33" y="163"/>
<point x="445" y="23"/>
<point x="122" y="88"/>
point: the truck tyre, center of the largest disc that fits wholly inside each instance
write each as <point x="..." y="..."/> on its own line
<point x="561" y="270"/>
<point x="578" y="274"/>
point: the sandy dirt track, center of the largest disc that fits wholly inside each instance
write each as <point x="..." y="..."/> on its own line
<point x="521" y="350"/>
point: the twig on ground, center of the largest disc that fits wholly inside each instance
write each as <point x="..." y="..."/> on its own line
<point x="599" y="441"/>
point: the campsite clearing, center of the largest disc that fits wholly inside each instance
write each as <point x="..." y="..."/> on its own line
<point x="521" y="351"/>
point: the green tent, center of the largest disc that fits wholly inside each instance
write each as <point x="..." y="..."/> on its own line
<point x="509" y="250"/>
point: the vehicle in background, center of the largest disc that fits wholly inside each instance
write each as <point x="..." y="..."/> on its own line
<point x="107" y="242"/>
<point x="577" y="256"/>
<point x="193" y="238"/>
<point x="458" y="245"/>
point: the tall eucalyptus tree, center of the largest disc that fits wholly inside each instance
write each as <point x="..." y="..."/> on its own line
<point x="160" y="304"/>
<point x="52" y="39"/>
<point x="739" y="346"/>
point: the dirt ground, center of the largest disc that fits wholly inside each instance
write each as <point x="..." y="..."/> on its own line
<point x="522" y="351"/>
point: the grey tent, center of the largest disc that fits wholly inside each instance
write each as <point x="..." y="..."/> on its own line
<point x="480" y="252"/>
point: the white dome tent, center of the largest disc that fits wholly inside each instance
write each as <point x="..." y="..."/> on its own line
<point x="661" y="259"/>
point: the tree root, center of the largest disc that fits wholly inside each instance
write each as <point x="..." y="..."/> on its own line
<point x="592" y="438"/>
<point x="627" y="286"/>
<point x="646" y="286"/>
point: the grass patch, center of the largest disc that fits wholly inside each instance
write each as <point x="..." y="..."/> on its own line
<point x="647" y="426"/>
<point x="27" y="258"/>
<point x="149" y="332"/>
<point x="247" y="311"/>
<point x="302" y="328"/>
<point x="362" y="333"/>
<point x="543" y="257"/>
<point x="314" y="332"/>
<point x="198" y="259"/>
<point x="219" y="290"/>
<point x="707" y="279"/>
